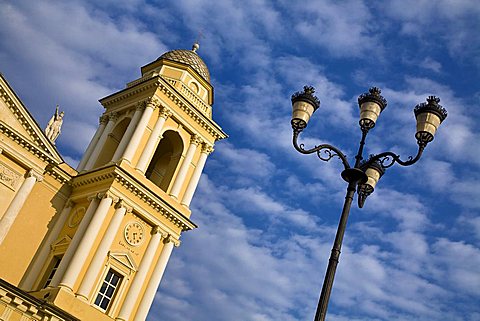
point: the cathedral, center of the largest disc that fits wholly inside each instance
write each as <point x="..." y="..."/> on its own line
<point x="92" y="243"/>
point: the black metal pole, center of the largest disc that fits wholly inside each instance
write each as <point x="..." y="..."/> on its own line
<point x="353" y="176"/>
<point x="335" y="255"/>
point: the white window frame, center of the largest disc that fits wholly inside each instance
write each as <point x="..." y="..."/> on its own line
<point x="103" y="295"/>
<point x="122" y="264"/>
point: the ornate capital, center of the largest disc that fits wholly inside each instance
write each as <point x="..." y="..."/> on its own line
<point x="165" y="112"/>
<point x="33" y="173"/>
<point x="102" y="195"/>
<point x="207" y="149"/>
<point x="196" y="140"/>
<point x="103" y="119"/>
<point x="92" y="197"/>
<point x="122" y="204"/>
<point x="141" y="105"/>
<point x="115" y="198"/>
<point x="69" y="203"/>
<point x="158" y="230"/>
<point x="152" y="102"/>
<point x="169" y="238"/>
<point x="113" y="116"/>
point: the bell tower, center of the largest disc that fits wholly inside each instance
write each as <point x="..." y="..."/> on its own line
<point x="107" y="252"/>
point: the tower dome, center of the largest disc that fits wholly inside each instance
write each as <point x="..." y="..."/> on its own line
<point x="189" y="57"/>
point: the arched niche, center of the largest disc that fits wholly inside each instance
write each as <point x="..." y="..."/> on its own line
<point x="165" y="160"/>
<point x="112" y="142"/>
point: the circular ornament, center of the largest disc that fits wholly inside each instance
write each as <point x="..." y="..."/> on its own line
<point x="134" y="233"/>
<point x="76" y="217"/>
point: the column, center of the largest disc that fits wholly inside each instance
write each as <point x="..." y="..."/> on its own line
<point x="140" y="130"/>
<point x="153" y="140"/>
<point x="85" y="245"/>
<point x="139" y="280"/>
<point x="154" y="282"/>
<point x="93" y="142"/>
<point x="17" y="203"/>
<point x="28" y="282"/>
<point x="182" y="173"/>
<point x="102" y="251"/>
<point x="192" y="185"/>
<point x="128" y="133"/>
<point x="112" y="119"/>
<point x="64" y="263"/>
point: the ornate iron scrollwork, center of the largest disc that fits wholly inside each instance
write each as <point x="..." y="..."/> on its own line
<point x="387" y="159"/>
<point x="325" y="152"/>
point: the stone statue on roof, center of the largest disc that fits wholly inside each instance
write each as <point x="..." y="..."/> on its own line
<point x="54" y="126"/>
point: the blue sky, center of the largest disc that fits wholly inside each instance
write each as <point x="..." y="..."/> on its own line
<point x="266" y="214"/>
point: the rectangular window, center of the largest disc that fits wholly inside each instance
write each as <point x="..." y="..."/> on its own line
<point x="109" y="285"/>
<point x="55" y="263"/>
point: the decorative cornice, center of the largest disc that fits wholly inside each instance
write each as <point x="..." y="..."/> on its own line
<point x="129" y="92"/>
<point x="22" y="119"/>
<point x="158" y="82"/>
<point x="150" y="198"/>
<point x="26" y="144"/>
<point x="161" y="207"/>
<point x="58" y="174"/>
<point x="80" y="180"/>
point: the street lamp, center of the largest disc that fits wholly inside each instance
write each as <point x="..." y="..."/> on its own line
<point x="364" y="175"/>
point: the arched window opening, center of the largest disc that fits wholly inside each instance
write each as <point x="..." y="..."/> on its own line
<point x="112" y="142"/>
<point x="165" y="160"/>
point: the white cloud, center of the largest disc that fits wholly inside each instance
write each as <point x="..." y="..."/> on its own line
<point x="233" y="29"/>
<point x="406" y="209"/>
<point x="54" y="47"/>
<point x="297" y="72"/>
<point x="452" y="21"/>
<point x="244" y="162"/>
<point x="458" y="264"/>
<point x="470" y="223"/>
<point x="346" y="28"/>
<point x="431" y="64"/>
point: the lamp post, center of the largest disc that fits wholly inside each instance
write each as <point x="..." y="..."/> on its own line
<point x="364" y="175"/>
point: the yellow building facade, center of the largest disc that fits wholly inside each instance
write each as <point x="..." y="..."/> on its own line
<point x="92" y="243"/>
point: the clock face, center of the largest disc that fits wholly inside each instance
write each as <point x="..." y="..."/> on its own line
<point x="134" y="233"/>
